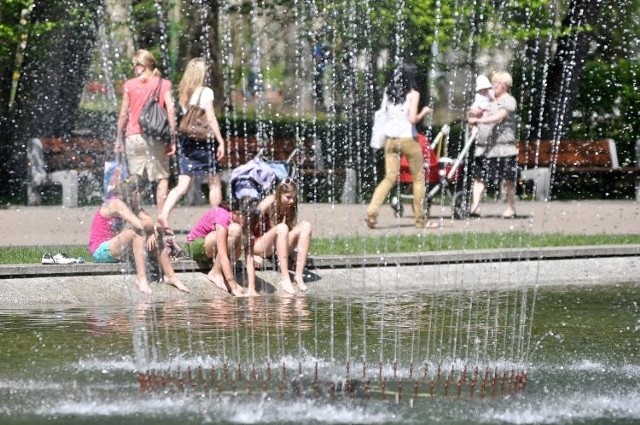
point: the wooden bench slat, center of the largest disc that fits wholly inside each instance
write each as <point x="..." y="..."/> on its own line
<point x="574" y="158"/>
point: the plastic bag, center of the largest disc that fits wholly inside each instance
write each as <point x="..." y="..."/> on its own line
<point x="379" y="129"/>
<point x="114" y="172"/>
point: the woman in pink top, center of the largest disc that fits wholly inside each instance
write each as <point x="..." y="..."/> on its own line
<point x="120" y="226"/>
<point x="216" y="233"/>
<point x="146" y="155"/>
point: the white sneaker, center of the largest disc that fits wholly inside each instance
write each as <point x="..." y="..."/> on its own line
<point x="63" y="259"/>
<point x="60" y="258"/>
<point x="47" y="258"/>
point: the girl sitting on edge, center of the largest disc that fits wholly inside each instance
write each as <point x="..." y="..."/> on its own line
<point x="121" y="226"/>
<point x="279" y="232"/>
<point x="216" y="233"/>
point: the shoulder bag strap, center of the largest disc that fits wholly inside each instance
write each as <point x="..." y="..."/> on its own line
<point x="199" y="97"/>
<point x="156" y="91"/>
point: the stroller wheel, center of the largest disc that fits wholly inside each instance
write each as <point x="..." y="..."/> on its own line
<point x="460" y="206"/>
<point x="398" y="208"/>
<point x="426" y="206"/>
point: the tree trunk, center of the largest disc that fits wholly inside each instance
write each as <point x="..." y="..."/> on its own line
<point x="567" y="68"/>
<point x="53" y="75"/>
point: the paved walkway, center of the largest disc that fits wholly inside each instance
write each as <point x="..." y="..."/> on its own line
<point x="56" y="225"/>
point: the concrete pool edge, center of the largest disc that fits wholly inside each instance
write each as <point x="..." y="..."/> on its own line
<point x="19" y="271"/>
<point x="329" y="276"/>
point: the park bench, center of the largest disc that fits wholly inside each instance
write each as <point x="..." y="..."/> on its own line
<point x="565" y="159"/>
<point x="306" y="155"/>
<point x="65" y="161"/>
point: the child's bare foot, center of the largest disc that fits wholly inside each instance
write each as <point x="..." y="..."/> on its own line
<point x="238" y="291"/>
<point x="218" y="280"/>
<point x="287" y="286"/>
<point x="301" y="285"/>
<point x="143" y="286"/>
<point x="174" y="281"/>
<point x="251" y="293"/>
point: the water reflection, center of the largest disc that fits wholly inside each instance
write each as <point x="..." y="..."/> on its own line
<point x="366" y="359"/>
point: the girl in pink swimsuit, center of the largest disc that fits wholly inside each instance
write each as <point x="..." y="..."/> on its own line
<point x="217" y="234"/>
<point x="121" y="226"/>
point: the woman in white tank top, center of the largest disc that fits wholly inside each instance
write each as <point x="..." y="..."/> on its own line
<point x="403" y="115"/>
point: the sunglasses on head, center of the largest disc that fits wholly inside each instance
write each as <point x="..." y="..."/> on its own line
<point x="288" y="180"/>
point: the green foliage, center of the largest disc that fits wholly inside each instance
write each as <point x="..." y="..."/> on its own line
<point x="608" y="105"/>
<point x="33" y="254"/>
<point x="460" y="241"/>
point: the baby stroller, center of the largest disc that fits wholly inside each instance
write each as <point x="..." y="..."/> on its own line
<point x="441" y="175"/>
<point x="257" y="178"/>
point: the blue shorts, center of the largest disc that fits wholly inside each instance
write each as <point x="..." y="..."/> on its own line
<point x="103" y="255"/>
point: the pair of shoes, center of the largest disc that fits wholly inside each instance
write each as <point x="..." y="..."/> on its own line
<point x="372" y="221"/>
<point x="60" y="258"/>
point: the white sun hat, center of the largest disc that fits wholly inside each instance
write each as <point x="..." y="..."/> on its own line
<point x="482" y="83"/>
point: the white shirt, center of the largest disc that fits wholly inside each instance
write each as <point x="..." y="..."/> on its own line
<point x="398" y="124"/>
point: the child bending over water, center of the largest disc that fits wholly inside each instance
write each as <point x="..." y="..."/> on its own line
<point x="218" y="232"/>
<point x="121" y="226"/>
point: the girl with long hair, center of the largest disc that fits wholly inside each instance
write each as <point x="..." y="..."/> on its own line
<point x="196" y="158"/>
<point x="402" y="111"/>
<point x="121" y="227"/>
<point x="280" y="233"/>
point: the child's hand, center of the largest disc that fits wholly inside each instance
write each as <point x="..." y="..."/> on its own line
<point x="152" y="242"/>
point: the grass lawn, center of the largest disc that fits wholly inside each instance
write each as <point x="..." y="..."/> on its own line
<point x="377" y="245"/>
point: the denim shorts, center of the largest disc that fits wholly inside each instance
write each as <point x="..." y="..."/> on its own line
<point x="103" y="255"/>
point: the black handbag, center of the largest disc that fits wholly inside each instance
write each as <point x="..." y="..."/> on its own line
<point x="153" y="117"/>
<point x="195" y="125"/>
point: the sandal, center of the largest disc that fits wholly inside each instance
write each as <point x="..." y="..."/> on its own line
<point x="174" y="250"/>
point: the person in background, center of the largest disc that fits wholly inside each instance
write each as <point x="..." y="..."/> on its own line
<point x="483" y="97"/>
<point x="402" y="109"/>
<point x="496" y="152"/>
<point x="217" y="234"/>
<point x="279" y="232"/>
<point x="121" y="227"/>
<point x="146" y="156"/>
<point x="196" y="158"/>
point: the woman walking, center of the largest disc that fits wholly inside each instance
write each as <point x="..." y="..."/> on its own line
<point x="146" y="155"/>
<point x="196" y="158"/>
<point x="402" y="112"/>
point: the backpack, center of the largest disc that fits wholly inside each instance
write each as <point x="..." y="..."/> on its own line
<point x="153" y="117"/>
<point x="253" y="179"/>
